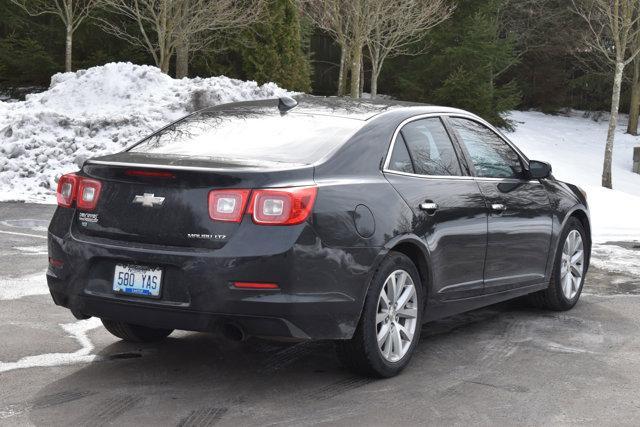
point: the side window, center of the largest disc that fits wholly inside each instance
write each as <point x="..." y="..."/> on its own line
<point x="400" y="159"/>
<point x="429" y="148"/>
<point x="490" y="154"/>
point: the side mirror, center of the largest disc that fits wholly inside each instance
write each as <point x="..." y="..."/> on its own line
<point x="539" y="170"/>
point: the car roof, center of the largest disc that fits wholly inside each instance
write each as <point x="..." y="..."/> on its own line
<point x="338" y="107"/>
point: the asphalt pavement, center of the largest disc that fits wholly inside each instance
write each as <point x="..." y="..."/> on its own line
<point x="507" y="364"/>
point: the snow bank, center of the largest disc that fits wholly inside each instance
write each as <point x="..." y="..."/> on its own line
<point x="574" y="145"/>
<point x="94" y="112"/>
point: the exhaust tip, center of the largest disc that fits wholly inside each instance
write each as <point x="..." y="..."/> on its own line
<point x="233" y="332"/>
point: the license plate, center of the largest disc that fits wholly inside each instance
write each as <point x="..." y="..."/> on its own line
<point x="137" y="280"/>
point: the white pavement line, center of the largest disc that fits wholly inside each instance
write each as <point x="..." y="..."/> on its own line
<point x="23" y="234"/>
<point x="78" y="331"/>
<point x="18" y="287"/>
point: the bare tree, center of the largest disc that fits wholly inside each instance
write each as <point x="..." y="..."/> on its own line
<point x="333" y="17"/>
<point x="71" y="12"/>
<point x="614" y="32"/>
<point x="399" y="24"/>
<point x="162" y="27"/>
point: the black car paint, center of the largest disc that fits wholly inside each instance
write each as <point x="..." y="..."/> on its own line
<point x="323" y="266"/>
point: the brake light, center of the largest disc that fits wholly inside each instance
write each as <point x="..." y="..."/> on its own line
<point x="282" y="206"/>
<point x="88" y="194"/>
<point x="67" y="188"/>
<point x="150" y="174"/>
<point x="228" y="205"/>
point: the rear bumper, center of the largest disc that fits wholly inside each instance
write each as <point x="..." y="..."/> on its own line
<point x="320" y="297"/>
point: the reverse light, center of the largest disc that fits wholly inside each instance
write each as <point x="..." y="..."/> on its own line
<point x="282" y="206"/>
<point x="88" y="194"/>
<point x="228" y="205"/>
<point x="67" y="189"/>
<point x="254" y="285"/>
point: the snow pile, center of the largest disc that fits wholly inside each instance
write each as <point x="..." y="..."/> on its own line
<point x="98" y="111"/>
<point x="574" y="145"/>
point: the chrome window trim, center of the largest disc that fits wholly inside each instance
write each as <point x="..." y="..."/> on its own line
<point x="385" y="167"/>
<point x="415" y="175"/>
<point x="469" y="116"/>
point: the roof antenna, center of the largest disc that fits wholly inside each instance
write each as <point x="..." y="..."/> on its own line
<point x="286" y="103"/>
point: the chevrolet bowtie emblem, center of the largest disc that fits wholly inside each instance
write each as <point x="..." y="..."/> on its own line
<point x="149" y="199"/>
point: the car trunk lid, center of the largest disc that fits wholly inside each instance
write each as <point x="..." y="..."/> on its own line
<point x="156" y="200"/>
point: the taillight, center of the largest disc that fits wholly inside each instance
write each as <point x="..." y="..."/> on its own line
<point x="282" y="206"/>
<point x="228" y="205"/>
<point x="88" y="194"/>
<point x="84" y="191"/>
<point x="67" y="189"/>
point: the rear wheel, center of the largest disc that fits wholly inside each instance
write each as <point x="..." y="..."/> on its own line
<point x="135" y="333"/>
<point x="389" y="328"/>
<point x="569" y="270"/>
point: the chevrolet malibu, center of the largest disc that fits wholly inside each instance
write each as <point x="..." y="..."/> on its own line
<point x="325" y="219"/>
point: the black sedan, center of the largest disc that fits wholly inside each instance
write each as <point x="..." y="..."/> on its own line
<point x="324" y="220"/>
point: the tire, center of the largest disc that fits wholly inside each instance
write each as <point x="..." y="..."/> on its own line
<point x="556" y="297"/>
<point x="362" y="354"/>
<point x="135" y="333"/>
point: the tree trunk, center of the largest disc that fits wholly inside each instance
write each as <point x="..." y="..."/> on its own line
<point x="607" y="180"/>
<point x="374" y="84"/>
<point x="182" y="60"/>
<point x="634" y="109"/>
<point x="342" y="80"/>
<point x="68" y="48"/>
<point x="356" y="61"/>
<point x="361" y="88"/>
<point x="165" y="60"/>
<point x="375" y="72"/>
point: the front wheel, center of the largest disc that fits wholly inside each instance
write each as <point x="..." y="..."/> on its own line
<point x="569" y="270"/>
<point x="389" y="328"/>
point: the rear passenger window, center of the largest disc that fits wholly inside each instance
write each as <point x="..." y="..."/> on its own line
<point x="400" y="159"/>
<point x="429" y="148"/>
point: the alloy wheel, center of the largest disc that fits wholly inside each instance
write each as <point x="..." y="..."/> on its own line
<point x="397" y="316"/>
<point x="572" y="264"/>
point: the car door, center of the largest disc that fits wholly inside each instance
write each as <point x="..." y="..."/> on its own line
<point x="449" y="212"/>
<point x="520" y="217"/>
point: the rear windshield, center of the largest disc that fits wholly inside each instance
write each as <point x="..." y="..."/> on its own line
<point x="252" y="137"/>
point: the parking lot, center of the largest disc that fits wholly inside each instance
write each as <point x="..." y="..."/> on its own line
<point x="507" y="364"/>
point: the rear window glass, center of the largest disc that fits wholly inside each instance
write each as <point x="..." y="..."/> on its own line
<point x="252" y="137"/>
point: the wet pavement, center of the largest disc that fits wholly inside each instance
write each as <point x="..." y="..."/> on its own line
<point x="507" y="364"/>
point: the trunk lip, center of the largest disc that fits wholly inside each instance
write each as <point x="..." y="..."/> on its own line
<point x="190" y="168"/>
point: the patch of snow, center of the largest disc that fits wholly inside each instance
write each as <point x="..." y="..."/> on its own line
<point x="32" y="250"/>
<point x="18" y="287"/>
<point x="78" y="331"/>
<point x="574" y="145"/>
<point x="616" y="259"/>
<point x="98" y="111"/>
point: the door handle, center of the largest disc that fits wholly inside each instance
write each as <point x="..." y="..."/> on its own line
<point x="429" y="207"/>
<point x="498" y="207"/>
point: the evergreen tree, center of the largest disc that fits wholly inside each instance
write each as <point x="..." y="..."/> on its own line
<point x="273" y="49"/>
<point x="466" y="64"/>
